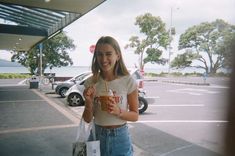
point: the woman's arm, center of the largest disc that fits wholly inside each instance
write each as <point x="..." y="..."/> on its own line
<point x="132" y="114"/>
<point x="88" y="112"/>
<point x="88" y="94"/>
<point x="133" y="103"/>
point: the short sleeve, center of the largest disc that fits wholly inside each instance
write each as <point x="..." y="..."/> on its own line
<point x="131" y="85"/>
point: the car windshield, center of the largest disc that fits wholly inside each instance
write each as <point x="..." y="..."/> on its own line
<point x="81" y="77"/>
<point x="135" y="74"/>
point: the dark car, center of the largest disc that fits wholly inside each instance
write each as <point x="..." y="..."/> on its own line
<point x="63" y="87"/>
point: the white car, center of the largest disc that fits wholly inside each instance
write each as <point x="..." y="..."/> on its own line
<point x="74" y="96"/>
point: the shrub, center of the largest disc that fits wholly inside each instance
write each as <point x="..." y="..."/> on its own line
<point x="13" y="76"/>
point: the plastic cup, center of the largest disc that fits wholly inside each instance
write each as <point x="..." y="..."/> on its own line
<point x="104" y="102"/>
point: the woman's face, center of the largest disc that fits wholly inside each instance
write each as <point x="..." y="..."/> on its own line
<point x="106" y="57"/>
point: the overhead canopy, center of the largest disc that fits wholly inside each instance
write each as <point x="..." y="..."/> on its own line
<point x="25" y="23"/>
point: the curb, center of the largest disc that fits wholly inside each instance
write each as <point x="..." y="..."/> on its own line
<point x="150" y="80"/>
<point x="179" y="82"/>
<point x="189" y="83"/>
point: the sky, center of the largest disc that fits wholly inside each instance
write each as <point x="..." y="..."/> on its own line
<point x="116" y="18"/>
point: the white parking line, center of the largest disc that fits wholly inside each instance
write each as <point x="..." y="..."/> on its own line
<point x="180" y="105"/>
<point x="177" y="149"/>
<point x="193" y="91"/>
<point x="181" y="121"/>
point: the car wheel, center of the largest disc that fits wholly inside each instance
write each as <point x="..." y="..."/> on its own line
<point x="63" y="92"/>
<point x="143" y="104"/>
<point x="75" y="99"/>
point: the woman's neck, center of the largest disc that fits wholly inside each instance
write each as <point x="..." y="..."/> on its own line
<point x="108" y="76"/>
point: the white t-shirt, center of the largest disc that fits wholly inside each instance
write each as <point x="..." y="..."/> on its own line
<point x="122" y="87"/>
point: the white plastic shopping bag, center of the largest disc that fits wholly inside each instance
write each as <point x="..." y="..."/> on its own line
<point x="83" y="147"/>
<point x="93" y="148"/>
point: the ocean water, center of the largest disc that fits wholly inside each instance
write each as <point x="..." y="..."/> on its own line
<point x="62" y="71"/>
<point x="71" y="71"/>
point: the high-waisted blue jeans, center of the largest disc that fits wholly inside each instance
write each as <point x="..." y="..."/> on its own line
<point x="114" y="142"/>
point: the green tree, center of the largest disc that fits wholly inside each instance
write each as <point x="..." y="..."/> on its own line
<point x="54" y="54"/>
<point x="225" y="48"/>
<point x="155" y="40"/>
<point x="206" y="44"/>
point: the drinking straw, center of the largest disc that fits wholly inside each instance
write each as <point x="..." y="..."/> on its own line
<point x="106" y="86"/>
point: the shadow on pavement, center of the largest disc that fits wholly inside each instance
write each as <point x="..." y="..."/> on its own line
<point x="154" y="142"/>
<point x="30" y="126"/>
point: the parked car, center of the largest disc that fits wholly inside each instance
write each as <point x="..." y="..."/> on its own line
<point x="138" y="77"/>
<point x="63" y="87"/>
<point x="74" y="96"/>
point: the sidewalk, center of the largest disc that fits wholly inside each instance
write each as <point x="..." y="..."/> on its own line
<point x="32" y="124"/>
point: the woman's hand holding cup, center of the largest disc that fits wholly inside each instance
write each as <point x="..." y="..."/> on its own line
<point x="109" y="103"/>
<point x="113" y="107"/>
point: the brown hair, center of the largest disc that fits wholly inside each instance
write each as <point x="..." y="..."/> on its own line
<point x="119" y="68"/>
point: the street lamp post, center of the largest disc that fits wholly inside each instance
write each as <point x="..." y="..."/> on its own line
<point x="40" y="59"/>
<point x="169" y="48"/>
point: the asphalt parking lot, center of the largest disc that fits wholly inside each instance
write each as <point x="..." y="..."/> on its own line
<point x="31" y="124"/>
<point x="36" y="122"/>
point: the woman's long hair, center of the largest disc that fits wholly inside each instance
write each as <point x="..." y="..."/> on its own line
<point x="119" y="68"/>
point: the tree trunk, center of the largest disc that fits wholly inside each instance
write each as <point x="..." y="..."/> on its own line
<point x="213" y="70"/>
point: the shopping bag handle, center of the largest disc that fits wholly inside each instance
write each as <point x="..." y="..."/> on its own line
<point x="83" y="132"/>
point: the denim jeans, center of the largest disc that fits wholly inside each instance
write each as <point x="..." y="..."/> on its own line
<point x="114" y="142"/>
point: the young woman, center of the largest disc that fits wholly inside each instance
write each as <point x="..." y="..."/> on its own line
<point x="110" y="73"/>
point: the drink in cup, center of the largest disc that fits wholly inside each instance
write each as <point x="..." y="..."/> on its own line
<point x="104" y="102"/>
<point x="105" y="98"/>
